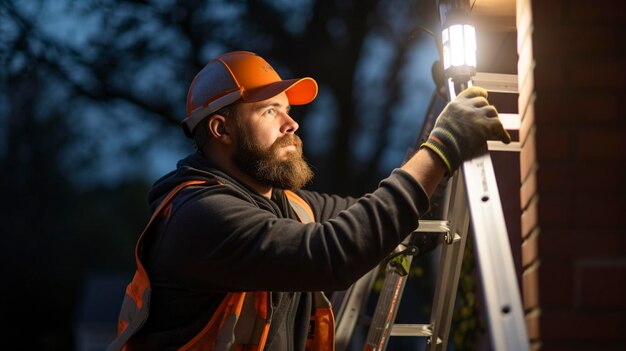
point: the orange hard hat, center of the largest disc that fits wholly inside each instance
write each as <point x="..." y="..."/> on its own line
<point x="240" y="75"/>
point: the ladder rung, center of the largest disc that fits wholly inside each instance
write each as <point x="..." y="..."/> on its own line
<point x="433" y="226"/>
<point x="411" y="330"/>
<point x="496" y="82"/>
<point x="514" y="146"/>
<point x="510" y="121"/>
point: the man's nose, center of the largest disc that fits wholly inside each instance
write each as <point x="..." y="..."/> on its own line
<point x="289" y="124"/>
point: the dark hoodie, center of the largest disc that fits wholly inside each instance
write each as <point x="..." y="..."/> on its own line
<point x="227" y="237"/>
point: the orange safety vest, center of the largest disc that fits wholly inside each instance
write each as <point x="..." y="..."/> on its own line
<point x="241" y="321"/>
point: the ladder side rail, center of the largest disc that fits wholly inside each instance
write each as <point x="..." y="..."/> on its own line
<point x="386" y="308"/>
<point x="497" y="272"/>
<point x="491" y="241"/>
<point x="451" y="259"/>
<point x="502" y="298"/>
<point x="351" y="305"/>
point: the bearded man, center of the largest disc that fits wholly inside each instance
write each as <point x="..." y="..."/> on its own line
<point x="236" y="254"/>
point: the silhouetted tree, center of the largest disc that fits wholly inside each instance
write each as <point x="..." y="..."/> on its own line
<point x="91" y="91"/>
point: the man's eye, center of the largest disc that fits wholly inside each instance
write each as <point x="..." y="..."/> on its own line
<point x="270" y="112"/>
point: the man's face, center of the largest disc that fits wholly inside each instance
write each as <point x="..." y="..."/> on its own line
<point x="267" y="148"/>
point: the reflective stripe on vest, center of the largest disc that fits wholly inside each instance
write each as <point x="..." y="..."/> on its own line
<point x="322" y="325"/>
<point x="321" y="335"/>
<point x="300" y="207"/>
<point x="241" y="321"/>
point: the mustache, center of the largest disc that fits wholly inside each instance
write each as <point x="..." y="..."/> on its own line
<point x="289" y="139"/>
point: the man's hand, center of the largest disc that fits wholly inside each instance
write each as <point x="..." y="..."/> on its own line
<point x="463" y="128"/>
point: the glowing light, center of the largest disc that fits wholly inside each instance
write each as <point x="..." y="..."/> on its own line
<point x="459" y="49"/>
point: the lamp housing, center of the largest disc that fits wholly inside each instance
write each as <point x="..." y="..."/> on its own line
<point x="458" y="39"/>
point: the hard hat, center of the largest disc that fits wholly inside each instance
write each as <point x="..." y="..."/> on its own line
<point x="240" y="75"/>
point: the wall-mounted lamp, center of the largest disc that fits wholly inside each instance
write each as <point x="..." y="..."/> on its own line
<point x="458" y="38"/>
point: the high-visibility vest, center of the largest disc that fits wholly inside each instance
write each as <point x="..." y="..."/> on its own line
<point x="242" y="320"/>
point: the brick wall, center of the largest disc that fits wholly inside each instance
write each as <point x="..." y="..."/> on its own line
<point x="572" y="64"/>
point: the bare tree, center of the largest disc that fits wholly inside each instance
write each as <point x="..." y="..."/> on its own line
<point x="85" y="85"/>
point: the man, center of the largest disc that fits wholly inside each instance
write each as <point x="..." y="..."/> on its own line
<point x="235" y="254"/>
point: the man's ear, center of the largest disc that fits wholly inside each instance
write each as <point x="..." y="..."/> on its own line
<point x="219" y="129"/>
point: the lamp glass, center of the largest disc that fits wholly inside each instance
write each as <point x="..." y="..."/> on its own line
<point x="445" y="40"/>
<point x="459" y="46"/>
<point x="469" y="35"/>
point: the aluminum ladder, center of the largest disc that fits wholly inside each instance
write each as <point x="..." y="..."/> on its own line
<point x="471" y="196"/>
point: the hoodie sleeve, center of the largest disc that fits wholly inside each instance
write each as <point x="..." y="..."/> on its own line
<point x="325" y="206"/>
<point x="217" y="240"/>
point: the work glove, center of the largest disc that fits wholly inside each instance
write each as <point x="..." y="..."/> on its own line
<point x="463" y="128"/>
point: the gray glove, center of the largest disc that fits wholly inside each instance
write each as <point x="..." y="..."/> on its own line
<point x="463" y="128"/>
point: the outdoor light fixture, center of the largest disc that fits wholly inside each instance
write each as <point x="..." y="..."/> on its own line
<point x="458" y="39"/>
<point x="458" y="43"/>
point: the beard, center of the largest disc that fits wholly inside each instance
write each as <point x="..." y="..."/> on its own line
<point x="265" y="165"/>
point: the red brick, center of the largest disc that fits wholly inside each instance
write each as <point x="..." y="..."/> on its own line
<point x="562" y="325"/>
<point x="608" y="11"/>
<point x="566" y="108"/>
<point x="528" y="190"/>
<point x="552" y="144"/>
<point x="577" y="345"/>
<point x="555" y="209"/>
<point x="524" y="23"/>
<point x="525" y="70"/>
<point x="555" y="177"/>
<point x="599" y="210"/>
<point x="556" y="282"/>
<point x="528" y="121"/>
<point x="552" y="108"/>
<point x="529" y="219"/>
<point x="550" y="74"/>
<point x="601" y="144"/>
<point x="521" y="8"/>
<point x="574" y="41"/>
<point x="577" y="242"/>
<point x="602" y="284"/>
<point x="547" y="12"/>
<point x="532" y="321"/>
<point x="525" y="63"/>
<point x="567" y="177"/>
<point x="529" y="249"/>
<point x="596" y="108"/>
<point x="528" y="156"/>
<point x="530" y="287"/>
<point x="604" y="243"/>
<point x="601" y="73"/>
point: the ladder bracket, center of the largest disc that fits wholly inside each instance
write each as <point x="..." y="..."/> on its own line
<point x="450" y="239"/>
<point x="398" y="260"/>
